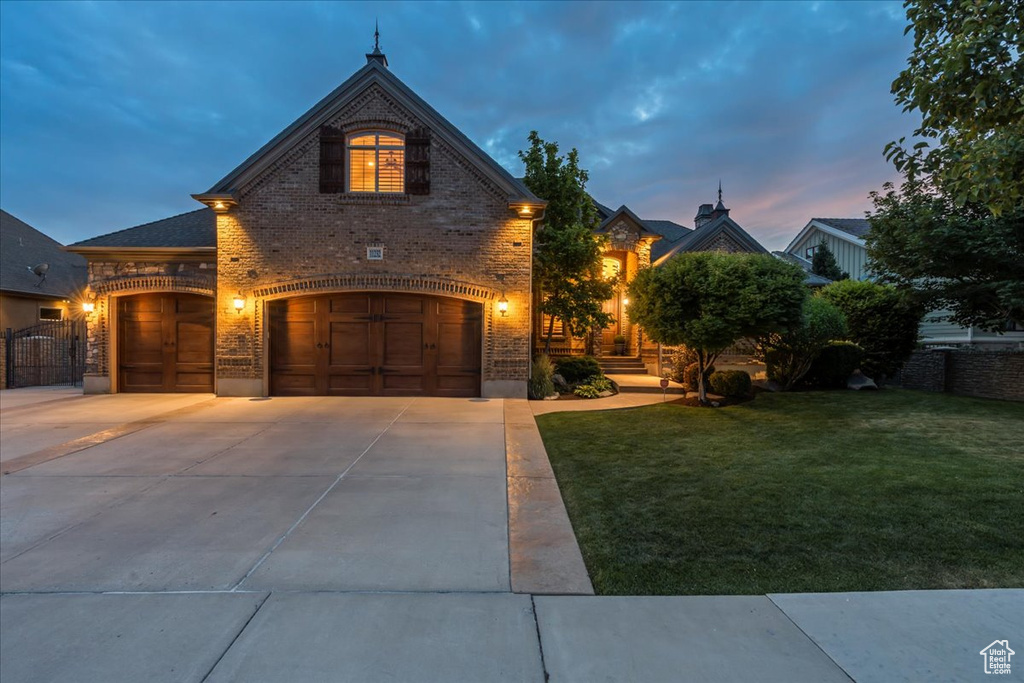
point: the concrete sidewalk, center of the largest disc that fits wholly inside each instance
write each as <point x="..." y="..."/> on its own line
<point x="344" y="636"/>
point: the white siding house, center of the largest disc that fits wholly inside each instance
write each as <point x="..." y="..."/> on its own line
<point x="845" y="238"/>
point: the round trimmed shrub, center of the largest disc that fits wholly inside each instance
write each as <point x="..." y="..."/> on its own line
<point x="730" y="383"/>
<point x="576" y="369"/>
<point x="834" y="365"/>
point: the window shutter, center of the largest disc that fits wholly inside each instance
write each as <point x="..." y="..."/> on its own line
<point x="332" y="160"/>
<point x="417" y="162"/>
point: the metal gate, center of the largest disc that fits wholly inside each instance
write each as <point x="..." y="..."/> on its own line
<point x="47" y="354"/>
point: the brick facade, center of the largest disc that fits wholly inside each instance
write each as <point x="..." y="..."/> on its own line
<point x="984" y="374"/>
<point x="284" y="239"/>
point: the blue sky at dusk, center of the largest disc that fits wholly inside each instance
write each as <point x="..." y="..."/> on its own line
<point x="112" y="114"/>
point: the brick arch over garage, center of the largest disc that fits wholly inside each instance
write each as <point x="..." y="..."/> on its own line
<point x="412" y="284"/>
<point x="430" y="287"/>
<point x="101" y="326"/>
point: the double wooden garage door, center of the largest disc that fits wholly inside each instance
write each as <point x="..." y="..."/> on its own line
<point x="165" y="343"/>
<point x="375" y="344"/>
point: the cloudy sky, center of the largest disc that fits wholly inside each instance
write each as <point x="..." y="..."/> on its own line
<point x="112" y="114"/>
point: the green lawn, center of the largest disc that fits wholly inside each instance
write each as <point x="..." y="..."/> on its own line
<point x="814" y="491"/>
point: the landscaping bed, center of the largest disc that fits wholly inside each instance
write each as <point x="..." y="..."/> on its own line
<point x="793" y="492"/>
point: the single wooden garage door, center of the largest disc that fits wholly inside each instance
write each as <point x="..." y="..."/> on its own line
<point x="375" y="344"/>
<point x="165" y="343"/>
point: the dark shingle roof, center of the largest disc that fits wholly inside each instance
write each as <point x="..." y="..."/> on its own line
<point x="858" y="227"/>
<point x="810" y="279"/>
<point x="669" y="230"/>
<point x="193" y="229"/>
<point x="22" y="247"/>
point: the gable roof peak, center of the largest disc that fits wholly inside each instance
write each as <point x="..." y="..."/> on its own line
<point x="376" y="55"/>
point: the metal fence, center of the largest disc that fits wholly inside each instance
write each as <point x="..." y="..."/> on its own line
<point x="47" y="354"/>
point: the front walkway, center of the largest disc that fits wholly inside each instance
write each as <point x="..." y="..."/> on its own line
<point x="191" y="538"/>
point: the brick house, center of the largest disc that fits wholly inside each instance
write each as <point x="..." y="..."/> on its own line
<point x="368" y="249"/>
<point x="634" y="243"/>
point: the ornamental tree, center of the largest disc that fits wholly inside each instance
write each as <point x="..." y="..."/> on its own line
<point x="567" y="269"/>
<point x="789" y="354"/>
<point x="708" y="300"/>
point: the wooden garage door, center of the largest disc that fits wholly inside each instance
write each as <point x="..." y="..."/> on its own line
<point x="165" y="343"/>
<point x="375" y="344"/>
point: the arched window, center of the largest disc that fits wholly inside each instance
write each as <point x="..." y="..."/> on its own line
<point x="376" y="162"/>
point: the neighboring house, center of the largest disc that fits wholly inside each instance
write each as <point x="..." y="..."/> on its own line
<point x="635" y="243"/>
<point x="845" y="239"/>
<point x="37" y="278"/>
<point x="368" y="249"/>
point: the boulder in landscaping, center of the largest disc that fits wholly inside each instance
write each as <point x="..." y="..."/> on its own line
<point x="859" y="380"/>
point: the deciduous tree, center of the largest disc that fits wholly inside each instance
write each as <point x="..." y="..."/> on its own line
<point x="567" y="253"/>
<point x="965" y="76"/>
<point x="708" y="300"/>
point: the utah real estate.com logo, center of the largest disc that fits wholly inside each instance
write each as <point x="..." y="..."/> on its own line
<point x="997" y="657"/>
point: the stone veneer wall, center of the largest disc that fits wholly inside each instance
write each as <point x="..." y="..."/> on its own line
<point x="111" y="279"/>
<point x="985" y="374"/>
<point x="285" y="238"/>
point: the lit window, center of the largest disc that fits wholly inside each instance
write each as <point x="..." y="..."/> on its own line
<point x="376" y="162"/>
<point x="557" y="330"/>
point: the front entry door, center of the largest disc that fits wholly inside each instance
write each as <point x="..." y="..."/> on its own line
<point x="375" y="344"/>
<point x="609" y="333"/>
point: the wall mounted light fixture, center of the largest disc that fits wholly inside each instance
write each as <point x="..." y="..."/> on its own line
<point x="503" y="306"/>
<point x="239" y="302"/>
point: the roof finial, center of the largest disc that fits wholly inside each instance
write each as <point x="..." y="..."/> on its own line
<point x="719" y="189"/>
<point x="376" y="55"/>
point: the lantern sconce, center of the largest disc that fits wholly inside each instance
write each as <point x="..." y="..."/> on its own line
<point x="625" y="301"/>
<point x="239" y="302"/>
<point x="88" y="307"/>
<point x="503" y="306"/>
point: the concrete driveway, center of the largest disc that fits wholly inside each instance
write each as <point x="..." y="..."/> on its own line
<point x="322" y="494"/>
<point x="193" y="538"/>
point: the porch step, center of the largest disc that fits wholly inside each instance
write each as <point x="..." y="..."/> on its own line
<point x="622" y="365"/>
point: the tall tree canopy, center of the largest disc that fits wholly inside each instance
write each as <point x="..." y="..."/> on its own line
<point x="708" y="300"/>
<point x="966" y="78"/>
<point x="954" y="230"/>
<point x="567" y="253"/>
<point x="963" y="259"/>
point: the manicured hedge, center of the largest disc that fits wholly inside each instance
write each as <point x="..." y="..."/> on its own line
<point x="730" y="383"/>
